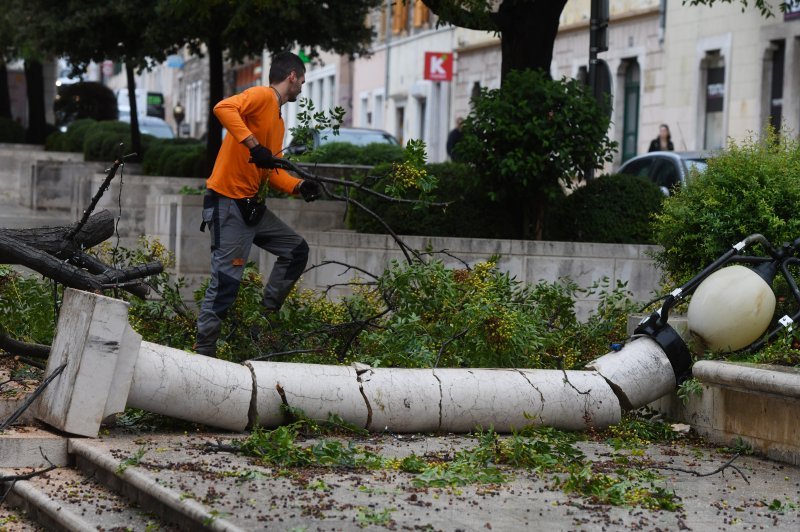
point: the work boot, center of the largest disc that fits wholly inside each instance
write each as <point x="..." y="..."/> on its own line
<point x="267" y="326"/>
<point x="209" y="351"/>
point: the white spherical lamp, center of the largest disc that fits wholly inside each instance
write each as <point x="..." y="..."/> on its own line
<point x="730" y="309"/>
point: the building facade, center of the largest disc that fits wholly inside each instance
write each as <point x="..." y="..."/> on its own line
<point x="729" y="73"/>
<point x="709" y="73"/>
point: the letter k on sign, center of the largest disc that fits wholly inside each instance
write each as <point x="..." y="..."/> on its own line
<point x="438" y="66"/>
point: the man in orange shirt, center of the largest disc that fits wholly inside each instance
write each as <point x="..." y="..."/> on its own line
<point x="233" y="207"/>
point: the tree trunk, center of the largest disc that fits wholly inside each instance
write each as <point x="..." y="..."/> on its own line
<point x="48" y="251"/>
<point x="34" y="81"/>
<point x="5" y="98"/>
<point x="215" y="94"/>
<point x="136" y="136"/>
<point x="527" y="34"/>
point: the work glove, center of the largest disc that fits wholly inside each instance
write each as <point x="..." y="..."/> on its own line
<point x="309" y="190"/>
<point x="262" y="157"/>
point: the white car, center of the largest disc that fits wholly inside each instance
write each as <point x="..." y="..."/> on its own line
<point x="150" y="125"/>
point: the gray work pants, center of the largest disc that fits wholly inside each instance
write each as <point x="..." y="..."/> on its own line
<point x="231" y="240"/>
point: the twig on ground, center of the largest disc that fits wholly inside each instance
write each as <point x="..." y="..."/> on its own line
<point x="721" y="468"/>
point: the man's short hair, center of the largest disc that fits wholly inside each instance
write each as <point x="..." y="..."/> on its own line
<point x="283" y="64"/>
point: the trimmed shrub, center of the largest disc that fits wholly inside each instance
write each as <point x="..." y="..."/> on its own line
<point x="611" y="209"/>
<point x="748" y="188"/>
<point x="470" y="214"/>
<point x="346" y="153"/>
<point x="102" y="140"/>
<point x="11" y="131"/>
<point x="175" y="157"/>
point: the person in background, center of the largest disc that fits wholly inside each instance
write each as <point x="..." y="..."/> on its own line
<point x="453" y="138"/>
<point x="663" y="142"/>
<point x="234" y="207"/>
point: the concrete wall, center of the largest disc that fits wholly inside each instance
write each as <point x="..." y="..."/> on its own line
<point x="153" y="206"/>
<point x="28" y="175"/>
<point x="320" y="224"/>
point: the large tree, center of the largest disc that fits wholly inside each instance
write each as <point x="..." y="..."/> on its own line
<point x="19" y="43"/>
<point x="527" y="28"/>
<point x="234" y="31"/>
<point x="96" y="30"/>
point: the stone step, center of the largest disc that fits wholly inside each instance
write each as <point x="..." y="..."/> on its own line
<point x="17" y="520"/>
<point x="143" y="489"/>
<point x="31" y="446"/>
<point x="67" y="499"/>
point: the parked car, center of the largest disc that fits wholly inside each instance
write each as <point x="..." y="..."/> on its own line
<point x="150" y="125"/>
<point x="667" y="169"/>
<point x="360" y="136"/>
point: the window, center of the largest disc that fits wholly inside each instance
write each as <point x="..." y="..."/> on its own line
<point x="421" y="14"/>
<point x="377" y="119"/>
<point x="778" y="54"/>
<point x="399" y="16"/>
<point x="421" y="109"/>
<point x="400" y="118"/>
<point x="630" y="129"/>
<point x="714" y="136"/>
<point x="364" y="114"/>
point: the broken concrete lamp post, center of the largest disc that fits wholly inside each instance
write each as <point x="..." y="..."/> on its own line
<point x="109" y="367"/>
<point x="732" y="305"/>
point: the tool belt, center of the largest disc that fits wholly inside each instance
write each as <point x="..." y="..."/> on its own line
<point x="252" y="210"/>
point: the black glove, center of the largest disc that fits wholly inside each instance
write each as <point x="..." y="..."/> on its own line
<point x="262" y="157"/>
<point x="309" y="190"/>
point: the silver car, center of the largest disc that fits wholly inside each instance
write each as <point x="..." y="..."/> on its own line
<point x="667" y="169"/>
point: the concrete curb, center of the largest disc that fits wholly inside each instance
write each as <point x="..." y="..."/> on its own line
<point x="753" y="403"/>
<point x="778" y="380"/>
<point x="46" y="511"/>
<point x="148" y="492"/>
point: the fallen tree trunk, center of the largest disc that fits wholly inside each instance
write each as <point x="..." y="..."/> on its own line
<point x="58" y="253"/>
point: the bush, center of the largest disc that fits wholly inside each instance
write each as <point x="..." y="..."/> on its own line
<point x="11" y="131"/>
<point x="611" y="209"/>
<point x="102" y="141"/>
<point x="87" y="99"/>
<point x="471" y="214"/>
<point x="346" y="153"/>
<point x="72" y="139"/>
<point x="749" y="188"/>
<point x="175" y="157"/>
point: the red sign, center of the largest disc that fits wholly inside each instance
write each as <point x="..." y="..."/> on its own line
<point x="439" y="66"/>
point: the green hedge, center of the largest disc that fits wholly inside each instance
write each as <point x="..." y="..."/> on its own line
<point x="100" y="140"/>
<point x="750" y="187"/>
<point x="175" y="157"/>
<point x="471" y="213"/>
<point x="610" y="209"/>
<point x="11" y="131"/>
<point x="345" y="153"/>
<point x="72" y="139"/>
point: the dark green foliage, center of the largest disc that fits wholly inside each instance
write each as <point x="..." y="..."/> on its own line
<point x="175" y="157"/>
<point x="11" y="131"/>
<point x="103" y="141"/>
<point x="750" y="187"/>
<point x="86" y="99"/>
<point x="72" y="139"/>
<point x="27" y="308"/>
<point x="100" y="141"/>
<point x="346" y="153"/>
<point x="612" y="209"/>
<point x="529" y="134"/>
<point x="471" y="213"/>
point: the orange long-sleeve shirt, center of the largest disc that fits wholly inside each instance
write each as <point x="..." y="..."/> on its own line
<point x="256" y="111"/>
